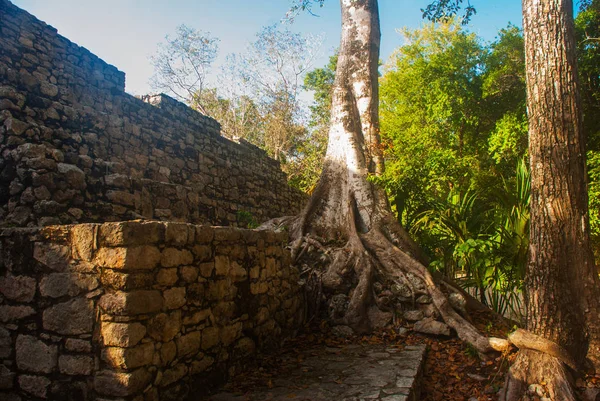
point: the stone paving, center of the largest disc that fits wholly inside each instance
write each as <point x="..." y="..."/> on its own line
<point x="351" y="372"/>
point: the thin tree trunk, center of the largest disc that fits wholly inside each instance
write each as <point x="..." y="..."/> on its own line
<point x="561" y="284"/>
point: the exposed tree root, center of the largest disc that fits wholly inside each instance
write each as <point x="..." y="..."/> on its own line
<point x="537" y="373"/>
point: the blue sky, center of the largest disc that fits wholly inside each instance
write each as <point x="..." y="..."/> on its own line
<point x="125" y="32"/>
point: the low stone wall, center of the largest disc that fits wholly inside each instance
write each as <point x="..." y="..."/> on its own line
<point x="138" y="310"/>
<point x="75" y="148"/>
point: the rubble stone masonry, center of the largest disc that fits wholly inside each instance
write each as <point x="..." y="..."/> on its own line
<point x="74" y="147"/>
<point x="138" y="310"/>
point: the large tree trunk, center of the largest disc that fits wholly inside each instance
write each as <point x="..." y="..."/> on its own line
<point x="561" y="285"/>
<point x="366" y="258"/>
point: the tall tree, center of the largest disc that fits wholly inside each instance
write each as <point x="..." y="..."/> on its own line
<point x="348" y="216"/>
<point x="181" y="64"/>
<point x="561" y="283"/>
<point x="562" y="288"/>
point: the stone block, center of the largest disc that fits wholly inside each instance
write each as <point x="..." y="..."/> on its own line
<point x="34" y="355"/>
<point x="9" y="313"/>
<point x="123" y="280"/>
<point x="204" y="234"/>
<point x="34" y="385"/>
<point x="173" y="257"/>
<point x="206" y="269"/>
<point x="129" y="358"/>
<point x="83" y="240"/>
<point x="76" y="365"/>
<point x="168" y="352"/>
<point x="197" y="317"/>
<point x="174" y="297"/>
<point x="132" y="303"/>
<point x="58" y="285"/>
<point x="144" y="257"/>
<point x="164" y="327"/>
<point x="173" y="375"/>
<point x="202" y="365"/>
<point x="73" y="317"/>
<point x="131" y="233"/>
<point x="189" y="274"/>
<point x="122" y="334"/>
<point x="203" y="253"/>
<point x="76" y="345"/>
<point x="231" y="333"/>
<point x="227" y="234"/>
<point x="74" y="176"/>
<point x="54" y="256"/>
<point x="188" y="345"/>
<point x="176" y="233"/>
<point x="7" y="378"/>
<point x="167" y="277"/>
<point x="121" y="384"/>
<point x="221" y="290"/>
<point x="210" y="337"/>
<point x="221" y="265"/>
<point x="17" y="288"/>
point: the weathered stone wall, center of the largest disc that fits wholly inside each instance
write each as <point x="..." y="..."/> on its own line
<point x="75" y="147"/>
<point x="137" y="310"/>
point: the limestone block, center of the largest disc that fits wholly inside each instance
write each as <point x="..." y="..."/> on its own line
<point x="167" y="277"/>
<point x="210" y="337"/>
<point x="34" y="385"/>
<point x="168" y="352"/>
<point x="245" y="347"/>
<point x="204" y="234"/>
<point x="34" y="355"/>
<point x="164" y="327"/>
<point x="202" y="365"/>
<point x="120" y="280"/>
<point x="131" y="233"/>
<point x="117" y="181"/>
<point x="431" y="326"/>
<point x="83" y="240"/>
<point x="174" y="297"/>
<point x="189" y="273"/>
<point x="221" y="265"/>
<point x="76" y="345"/>
<point x="9" y="313"/>
<point x="145" y="257"/>
<point x="259" y="288"/>
<point x="17" y="288"/>
<point x="176" y="233"/>
<point x="173" y="257"/>
<point x="48" y="89"/>
<point x="195" y="294"/>
<point x="227" y="234"/>
<point x="75" y="365"/>
<point x="70" y="318"/>
<point x="58" y="285"/>
<point x="188" y="344"/>
<point x="203" y="253"/>
<point x="121" y="384"/>
<point x="52" y="255"/>
<point x="197" y="317"/>
<point x="170" y="376"/>
<point x="122" y="334"/>
<point x="7" y="378"/>
<point x="132" y="303"/>
<point x="121" y="197"/>
<point x="231" y="333"/>
<point x="206" y="269"/>
<point x="73" y="174"/>
<point x="221" y="290"/>
<point x="129" y="358"/>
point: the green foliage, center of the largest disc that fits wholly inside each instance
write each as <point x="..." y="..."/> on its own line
<point x="454" y="127"/>
<point x="246" y="219"/>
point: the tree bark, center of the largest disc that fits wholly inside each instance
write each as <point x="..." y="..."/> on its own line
<point x="561" y="282"/>
<point x="365" y="253"/>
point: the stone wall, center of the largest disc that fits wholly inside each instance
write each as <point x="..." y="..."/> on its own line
<point x="137" y="310"/>
<point x="76" y="148"/>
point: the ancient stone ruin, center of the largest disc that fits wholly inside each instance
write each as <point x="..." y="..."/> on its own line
<point x="110" y="286"/>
